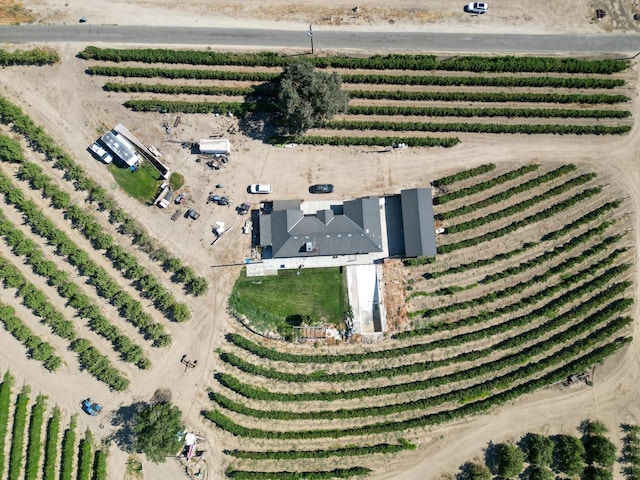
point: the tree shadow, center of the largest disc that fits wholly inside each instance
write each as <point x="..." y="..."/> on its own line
<point x="123" y="418"/>
<point x="260" y="121"/>
<point x="491" y="457"/>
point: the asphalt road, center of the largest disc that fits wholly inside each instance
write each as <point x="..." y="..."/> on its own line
<point x="623" y="44"/>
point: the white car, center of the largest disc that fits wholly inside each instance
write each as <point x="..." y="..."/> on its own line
<point x="259" y="188"/>
<point x="101" y="153"/>
<point x="477" y="7"/>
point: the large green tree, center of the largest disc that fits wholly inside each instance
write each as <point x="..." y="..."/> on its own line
<point x="307" y="97"/>
<point x="569" y="455"/>
<point x="510" y="459"/>
<point x="539" y="449"/>
<point x="474" y="471"/>
<point x="600" y="450"/>
<point x="156" y="428"/>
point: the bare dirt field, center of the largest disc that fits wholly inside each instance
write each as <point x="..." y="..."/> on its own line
<point x="73" y="109"/>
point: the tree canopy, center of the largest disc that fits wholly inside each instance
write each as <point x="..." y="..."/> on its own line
<point x="539" y="449"/>
<point x="569" y="455"/>
<point x="10" y="150"/>
<point x="156" y="428"/>
<point x="307" y="97"/>
<point x="510" y="459"/>
<point x="474" y="471"/>
<point x="600" y="450"/>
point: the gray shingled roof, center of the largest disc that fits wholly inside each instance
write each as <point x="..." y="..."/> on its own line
<point x="417" y="220"/>
<point x="292" y="234"/>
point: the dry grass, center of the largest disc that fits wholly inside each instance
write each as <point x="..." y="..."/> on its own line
<point x="12" y="12"/>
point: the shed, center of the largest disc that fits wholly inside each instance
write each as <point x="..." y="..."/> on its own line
<point x="220" y="146"/>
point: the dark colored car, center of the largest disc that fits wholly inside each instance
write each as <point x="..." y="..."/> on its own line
<point x="321" y="188"/>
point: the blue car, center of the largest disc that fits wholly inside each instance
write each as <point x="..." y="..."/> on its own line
<point x="90" y="407"/>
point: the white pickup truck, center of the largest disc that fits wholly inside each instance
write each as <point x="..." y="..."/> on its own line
<point x="101" y="153"/>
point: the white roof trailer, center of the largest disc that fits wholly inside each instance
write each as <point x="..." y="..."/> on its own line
<point x="220" y="146"/>
<point x="120" y="147"/>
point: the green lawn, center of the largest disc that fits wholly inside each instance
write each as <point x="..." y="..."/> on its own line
<point x="278" y="302"/>
<point x="141" y="184"/>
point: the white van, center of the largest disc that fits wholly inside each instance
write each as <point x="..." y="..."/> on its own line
<point x="259" y="188"/>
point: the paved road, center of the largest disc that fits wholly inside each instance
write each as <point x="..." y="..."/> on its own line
<point x="259" y="38"/>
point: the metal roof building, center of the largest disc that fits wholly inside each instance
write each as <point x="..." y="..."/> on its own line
<point x="417" y="223"/>
<point x="120" y="147"/>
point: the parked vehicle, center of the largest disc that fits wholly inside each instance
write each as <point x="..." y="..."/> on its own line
<point x="191" y="213"/>
<point x="321" y="188"/>
<point x="259" y="188"/>
<point x="90" y="407"/>
<point x="243" y="208"/>
<point x="100" y="152"/>
<point x="477" y="7"/>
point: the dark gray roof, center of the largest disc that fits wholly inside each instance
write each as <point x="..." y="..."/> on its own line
<point x="417" y="220"/>
<point x="293" y="234"/>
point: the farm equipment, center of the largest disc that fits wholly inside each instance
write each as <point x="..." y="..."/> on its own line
<point x="90" y="407"/>
<point x="218" y="199"/>
<point x="219" y="230"/>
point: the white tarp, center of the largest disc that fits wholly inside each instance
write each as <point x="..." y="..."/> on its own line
<point x="220" y="146"/>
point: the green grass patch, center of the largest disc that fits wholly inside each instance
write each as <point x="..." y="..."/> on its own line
<point x="141" y="184"/>
<point x="279" y="302"/>
<point x="176" y="181"/>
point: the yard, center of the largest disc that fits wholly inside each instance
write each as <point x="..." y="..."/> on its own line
<point x="141" y="184"/>
<point x="276" y="303"/>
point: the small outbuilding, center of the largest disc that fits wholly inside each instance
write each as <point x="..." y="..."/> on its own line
<point x="217" y="146"/>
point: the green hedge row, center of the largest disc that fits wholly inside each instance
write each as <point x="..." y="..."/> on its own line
<point x="529" y="129"/>
<point x="444" y="80"/>
<point x="307" y="474"/>
<point x="446" y="142"/>
<point x="100" y="465"/>
<point x="378" y="62"/>
<point x="35" y="56"/>
<point x="493" y="97"/>
<point x="463" y="175"/>
<point x="85" y="457"/>
<point x="486" y="184"/>
<point x="535" y="279"/>
<point x="17" y="435"/>
<point x="68" y="451"/>
<point x="554" y="235"/>
<point x="485" y="112"/>
<point x="521" y="357"/>
<point x="51" y="446"/>
<point x="40" y="141"/>
<point x="34" y="447"/>
<point x="498" y="197"/>
<point x="238" y="109"/>
<point x="381" y="448"/>
<point x="37" y="349"/>
<point x="595" y="301"/>
<point x="81" y="303"/>
<point x="98" y="365"/>
<point x="185" y="73"/>
<point x="578" y="364"/>
<point x="522" y="205"/>
<point x="86" y="224"/>
<point x="188" y="89"/>
<point x="5" y="404"/>
<point x="536" y="217"/>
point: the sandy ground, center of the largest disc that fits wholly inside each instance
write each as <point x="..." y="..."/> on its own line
<point x="74" y="110"/>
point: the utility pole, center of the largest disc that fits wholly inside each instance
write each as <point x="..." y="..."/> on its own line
<point x="310" y="33"/>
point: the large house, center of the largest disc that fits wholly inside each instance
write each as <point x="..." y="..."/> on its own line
<point x="394" y="225"/>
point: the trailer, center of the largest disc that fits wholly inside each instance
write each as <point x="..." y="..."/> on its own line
<point x="217" y="146"/>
